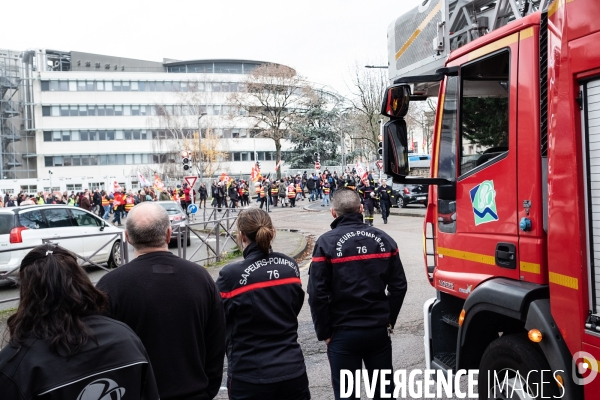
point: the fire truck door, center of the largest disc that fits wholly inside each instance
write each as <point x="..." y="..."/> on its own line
<point x="478" y="235"/>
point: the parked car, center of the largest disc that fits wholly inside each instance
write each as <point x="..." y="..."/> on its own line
<point x="70" y="227"/>
<point x="178" y="218"/>
<point x="403" y="195"/>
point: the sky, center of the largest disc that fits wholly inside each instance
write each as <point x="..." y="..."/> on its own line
<point x="322" y="39"/>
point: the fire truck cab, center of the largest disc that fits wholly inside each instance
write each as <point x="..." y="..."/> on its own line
<point x="512" y="229"/>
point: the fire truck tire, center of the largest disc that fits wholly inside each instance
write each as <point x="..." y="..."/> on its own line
<point x="511" y="358"/>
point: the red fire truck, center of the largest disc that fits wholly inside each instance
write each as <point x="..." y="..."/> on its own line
<point x="512" y="229"/>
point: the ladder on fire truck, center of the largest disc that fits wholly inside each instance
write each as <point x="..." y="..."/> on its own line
<point x="420" y="41"/>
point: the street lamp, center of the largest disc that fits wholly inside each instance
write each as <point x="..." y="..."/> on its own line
<point x="200" y="147"/>
<point x="50" y="175"/>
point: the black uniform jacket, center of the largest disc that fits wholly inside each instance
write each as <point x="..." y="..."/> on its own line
<point x="385" y="193"/>
<point x="116" y="367"/>
<point x="262" y="296"/>
<point x="352" y="266"/>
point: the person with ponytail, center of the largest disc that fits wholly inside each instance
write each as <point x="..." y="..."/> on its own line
<point x="262" y="296"/>
<point x="59" y="345"/>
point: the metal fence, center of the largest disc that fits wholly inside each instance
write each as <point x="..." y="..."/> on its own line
<point x="83" y="260"/>
<point x="214" y="229"/>
<point x="207" y="226"/>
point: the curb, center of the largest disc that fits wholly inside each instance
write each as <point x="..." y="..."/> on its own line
<point x="408" y="214"/>
<point x="301" y="248"/>
<point x="305" y="208"/>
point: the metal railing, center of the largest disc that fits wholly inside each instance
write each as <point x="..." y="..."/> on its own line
<point x="84" y="260"/>
<point x="210" y="225"/>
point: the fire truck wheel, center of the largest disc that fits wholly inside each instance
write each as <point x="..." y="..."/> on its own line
<point x="511" y="368"/>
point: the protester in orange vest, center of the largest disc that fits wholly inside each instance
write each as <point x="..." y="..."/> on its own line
<point x="129" y="203"/>
<point x="291" y="194"/>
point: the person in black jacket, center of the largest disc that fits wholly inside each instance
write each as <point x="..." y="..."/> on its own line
<point x="352" y="267"/>
<point x="173" y="305"/>
<point x="262" y="296"/>
<point x="232" y="192"/>
<point x="203" y="195"/>
<point x="60" y="346"/>
<point x="385" y="200"/>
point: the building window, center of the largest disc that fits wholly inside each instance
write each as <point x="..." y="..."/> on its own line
<point x="48" y="162"/>
<point x="28" y="188"/>
<point x="45" y="86"/>
<point x="46" y="110"/>
<point x="77" y="187"/>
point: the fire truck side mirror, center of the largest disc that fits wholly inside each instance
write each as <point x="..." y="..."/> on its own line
<point x="395" y="148"/>
<point x="395" y="101"/>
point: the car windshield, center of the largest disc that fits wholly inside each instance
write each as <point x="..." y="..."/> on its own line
<point x="172" y="208"/>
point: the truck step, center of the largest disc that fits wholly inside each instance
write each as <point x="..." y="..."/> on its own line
<point x="446" y="361"/>
<point x="451" y="320"/>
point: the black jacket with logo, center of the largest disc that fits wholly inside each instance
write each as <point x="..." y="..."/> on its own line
<point x="115" y="367"/>
<point x="262" y="296"/>
<point x="385" y="193"/>
<point x="352" y="266"/>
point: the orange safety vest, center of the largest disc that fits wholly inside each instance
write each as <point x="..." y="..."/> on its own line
<point x="128" y="204"/>
<point x="298" y="188"/>
<point x="326" y="190"/>
<point x="105" y="201"/>
<point x="274" y="190"/>
<point x="262" y="192"/>
<point x="291" y="193"/>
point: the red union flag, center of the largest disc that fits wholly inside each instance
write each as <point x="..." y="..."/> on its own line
<point x="158" y="184"/>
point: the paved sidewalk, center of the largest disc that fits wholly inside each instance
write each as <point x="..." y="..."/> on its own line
<point x="287" y="242"/>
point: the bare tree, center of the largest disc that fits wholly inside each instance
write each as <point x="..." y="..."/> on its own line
<point x="178" y="131"/>
<point x="210" y="150"/>
<point x="368" y="86"/>
<point x="275" y="96"/>
<point x="420" y="119"/>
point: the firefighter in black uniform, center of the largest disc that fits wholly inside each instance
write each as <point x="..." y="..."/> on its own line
<point x="262" y="296"/>
<point x="352" y="267"/>
<point x="367" y="194"/>
<point x="385" y="200"/>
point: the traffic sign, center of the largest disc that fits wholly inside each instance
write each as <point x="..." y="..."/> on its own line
<point x="379" y="164"/>
<point x="190" y="180"/>
<point x="192" y="209"/>
<point x="317" y="165"/>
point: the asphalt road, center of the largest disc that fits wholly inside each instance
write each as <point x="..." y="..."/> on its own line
<point x="407" y="340"/>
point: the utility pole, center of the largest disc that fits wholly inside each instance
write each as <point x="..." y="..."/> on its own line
<point x="200" y="148"/>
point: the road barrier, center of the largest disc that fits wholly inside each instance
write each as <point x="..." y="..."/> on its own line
<point x="219" y="225"/>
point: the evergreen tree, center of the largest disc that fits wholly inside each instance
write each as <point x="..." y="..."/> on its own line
<point x="485" y="120"/>
<point x="316" y="132"/>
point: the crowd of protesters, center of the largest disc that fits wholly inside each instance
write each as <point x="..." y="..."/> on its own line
<point x="234" y="193"/>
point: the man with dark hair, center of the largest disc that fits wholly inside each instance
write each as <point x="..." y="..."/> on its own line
<point x="173" y="305"/>
<point x="352" y="267"/>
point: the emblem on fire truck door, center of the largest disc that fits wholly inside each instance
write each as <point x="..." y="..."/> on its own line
<point x="483" y="199"/>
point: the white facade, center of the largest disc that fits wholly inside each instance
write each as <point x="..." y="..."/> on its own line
<point x="87" y="136"/>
